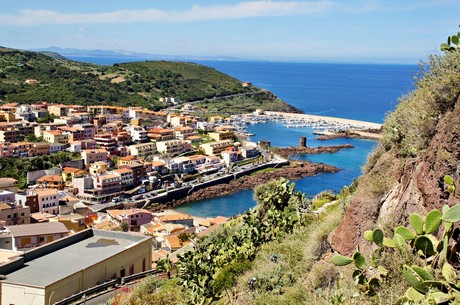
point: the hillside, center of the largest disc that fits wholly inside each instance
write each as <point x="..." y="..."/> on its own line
<point x="396" y="228"/>
<point x="127" y="84"/>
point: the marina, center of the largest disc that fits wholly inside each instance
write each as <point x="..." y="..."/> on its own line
<point x="321" y="125"/>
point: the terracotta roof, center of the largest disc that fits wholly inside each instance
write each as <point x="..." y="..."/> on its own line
<point x="105" y="225"/>
<point x="158" y="163"/>
<point x="219" y="220"/>
<point x="183" y="128"/>
<point x="5" y="206"/>
<point x="159" y="254"/>
<point x="41" y="216"/>
<point x="10" y="180"/>
<point x="173" y="217"/>
<point x="175" y="243"/>
<point x="193" y="138"/>
<point x="98" y="150"/>
<point x="45" y="192"/>
<point x="71" y="170"/>
<point x="50" y="178"/>
<point x="123" y="170"/>
<point x="116" y="213"/>
<point x="128" y="158"/>
<point x="194" y="157"/>
<point x="108" y="176"/>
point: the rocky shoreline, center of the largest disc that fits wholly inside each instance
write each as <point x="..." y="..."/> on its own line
<point x="370" y="134"/>
<point x="287" y="152"/>
<point x="295" y="170"/>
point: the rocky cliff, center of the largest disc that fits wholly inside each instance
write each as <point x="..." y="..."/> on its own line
<point x="420" y="146"/>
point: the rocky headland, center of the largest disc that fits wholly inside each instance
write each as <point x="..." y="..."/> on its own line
<point x="295" y="170"/>
<point x="370" y="134"/>
<point x="288" y="152"/>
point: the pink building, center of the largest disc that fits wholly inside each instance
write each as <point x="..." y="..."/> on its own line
<point x="94" y="155"/>
<point x="134" y="218"/>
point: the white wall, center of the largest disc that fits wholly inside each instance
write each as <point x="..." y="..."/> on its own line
<point x="18" y="295"/>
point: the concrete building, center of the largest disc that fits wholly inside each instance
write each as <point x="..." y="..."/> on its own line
<point x="28" y="198"/>
<point x="14" y="214"/>
<point x="6" y="196"/>
<point x="98" y="168"/>
<point x="221" y="135"/>
<point x="173" y="147"/>
<point x="126" y="176"/>
<point x="55" y="136"/>
<point x="230" y="156"/>
<point x="94" y="155"/>
<point x="37" y="234"/>
<point x="134" y="218"/>
<point x="9" y="184"/>
<point x="214" y="148"/>
<point x="137" y="133"/>
<point x="10" y="135"/>
<point x="183" y="219"/>
<point x="143" y="150"/>
<point x="181" y="165"/>
<point x="99" y="189"/>
<point x="48" y="200"/>
<point x="73" y="264"/>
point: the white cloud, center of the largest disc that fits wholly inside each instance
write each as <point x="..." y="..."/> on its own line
<point x="195" y="13"/>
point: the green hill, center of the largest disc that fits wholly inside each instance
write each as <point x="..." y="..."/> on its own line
<point x="128" y="84"/>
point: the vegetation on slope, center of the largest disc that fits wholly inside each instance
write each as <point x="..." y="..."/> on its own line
<point x="417" y="265"/>
<point x="17" y="168"/>
<point x="260" y="257"/>
<point x="126" y="84"/>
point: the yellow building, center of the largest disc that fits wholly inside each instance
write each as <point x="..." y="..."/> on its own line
<point x="58" y="270"/>
<point x="221" y="135"/>
<point x="9" y="184"/>
<point x="55" y="136"/>
<point x="214" y="148"/>
<point x="97" y="168"/>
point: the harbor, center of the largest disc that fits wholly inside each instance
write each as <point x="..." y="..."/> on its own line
<point x="321" y="125"/>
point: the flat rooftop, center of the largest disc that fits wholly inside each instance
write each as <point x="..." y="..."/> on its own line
<point x="65" y="261"/>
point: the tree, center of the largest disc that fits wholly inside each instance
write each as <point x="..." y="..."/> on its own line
<point x="165" y="265"/>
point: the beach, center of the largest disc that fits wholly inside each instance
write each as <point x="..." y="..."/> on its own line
<point x="353" y="124"/>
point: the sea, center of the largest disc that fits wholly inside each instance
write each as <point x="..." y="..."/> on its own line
<point x="364" y="92"/>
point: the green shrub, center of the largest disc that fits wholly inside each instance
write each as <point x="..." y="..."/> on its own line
<point x="411" y="126"/>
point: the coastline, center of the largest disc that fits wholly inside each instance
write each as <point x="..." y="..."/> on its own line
<point x="296" y="170"/>
<point x="353" y="124"/>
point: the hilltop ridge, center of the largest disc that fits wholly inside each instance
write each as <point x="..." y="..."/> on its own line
<point x="129" y="84"/>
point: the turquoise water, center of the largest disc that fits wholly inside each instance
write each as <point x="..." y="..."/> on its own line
<point x="348" y="160"/>
<point x="354" y="91"/>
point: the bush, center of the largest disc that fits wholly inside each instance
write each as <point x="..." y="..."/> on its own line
<point x="410" y="127"/>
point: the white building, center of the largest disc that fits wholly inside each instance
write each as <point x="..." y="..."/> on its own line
<point x="137" y="133"/>
<point x="48" y="200"/>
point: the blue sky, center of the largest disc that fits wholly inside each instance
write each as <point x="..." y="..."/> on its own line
<point x="334" y="30"/>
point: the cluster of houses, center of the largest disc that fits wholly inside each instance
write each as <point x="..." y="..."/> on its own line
<point x="124" y="152"/>
<point x="120" y="147"/>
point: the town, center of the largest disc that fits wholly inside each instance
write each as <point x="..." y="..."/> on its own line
<point x="124" y="162"/>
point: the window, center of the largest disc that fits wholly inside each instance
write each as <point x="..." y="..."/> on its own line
<point x="41" y="239"/>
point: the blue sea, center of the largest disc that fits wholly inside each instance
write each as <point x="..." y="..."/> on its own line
<point x="355" y="91"/>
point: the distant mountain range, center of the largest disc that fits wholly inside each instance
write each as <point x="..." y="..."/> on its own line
<point x="126" y="54"/>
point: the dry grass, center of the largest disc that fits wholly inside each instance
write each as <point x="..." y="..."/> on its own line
<point x="287" y="281"/>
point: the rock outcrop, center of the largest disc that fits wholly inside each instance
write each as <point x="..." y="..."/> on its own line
<point x="397" y="186"/>
<point x="288" y="152"/>
<point x="294" y="171"/>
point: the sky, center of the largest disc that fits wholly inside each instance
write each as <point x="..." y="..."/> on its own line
<point x="403" y="31"/>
